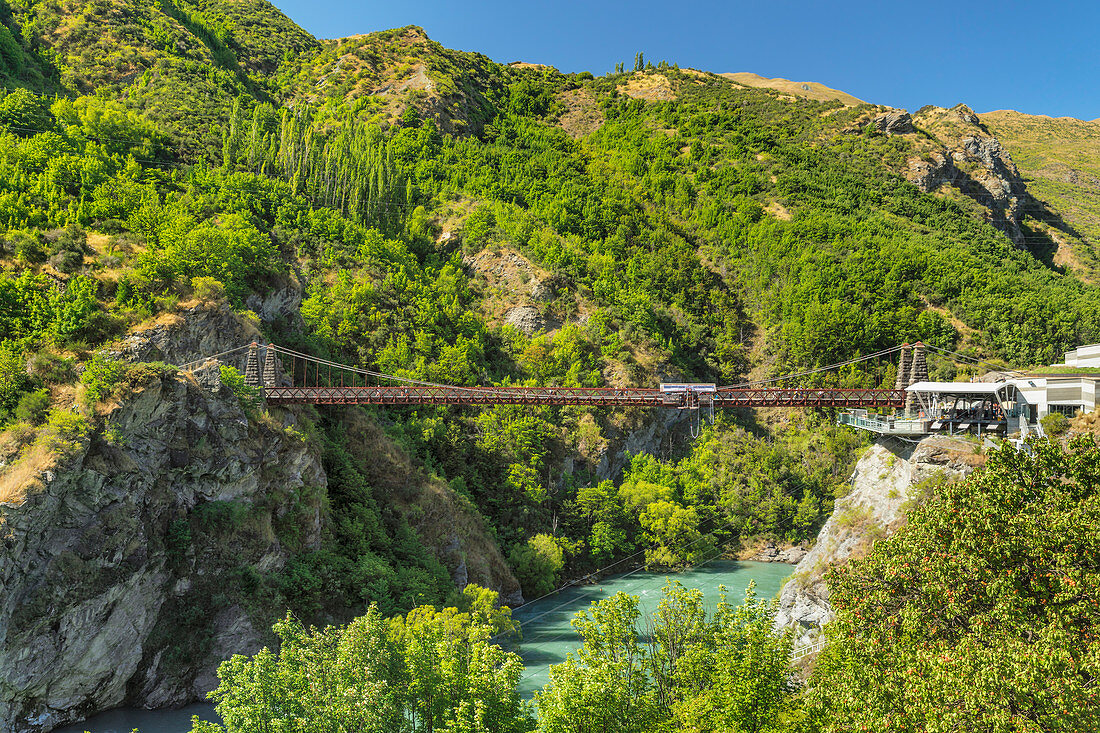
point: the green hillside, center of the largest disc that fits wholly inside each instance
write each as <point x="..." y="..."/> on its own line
<point x="700" y="229"/>
<point x="1061" y="158"/>
<point x="177" y="62"/>
<point x="655" y="224"/>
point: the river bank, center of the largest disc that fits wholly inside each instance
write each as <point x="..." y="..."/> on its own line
<point x="545" y="624"/>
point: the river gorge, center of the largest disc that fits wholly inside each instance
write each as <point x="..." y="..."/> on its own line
<point x="545" y="625"/>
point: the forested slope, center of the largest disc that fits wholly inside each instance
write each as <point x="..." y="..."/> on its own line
<point x="690" y="228"/>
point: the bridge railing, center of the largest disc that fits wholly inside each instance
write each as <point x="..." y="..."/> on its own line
<point x="287" y="376"/>
<point x="810" y="397"/>
<point x="884" y="425"/>
<point x="804" y="651"/>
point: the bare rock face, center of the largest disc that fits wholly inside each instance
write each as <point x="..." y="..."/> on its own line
<point x="771" y="553"/>
<point x="883" y="483"/>
<point x="103" y="577"/>
<point x="203" y="330"/>
<point x="647" y="438"/>
<point x="967" y="157"/>
<point x="898" y="122"/>
<point x="526" y="319"/>
<point x="281" y="303"/>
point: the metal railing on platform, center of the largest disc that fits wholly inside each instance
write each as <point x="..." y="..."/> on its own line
<point x="884" y="425"/>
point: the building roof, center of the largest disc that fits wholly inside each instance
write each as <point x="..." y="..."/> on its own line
<point x="979" y="388"/>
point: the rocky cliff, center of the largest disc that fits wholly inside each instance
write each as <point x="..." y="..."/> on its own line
<point x="953" y="149"/>
<point x="158" y="546"/>
<point x="122" y="551"/>
<point x="888" y="477"/>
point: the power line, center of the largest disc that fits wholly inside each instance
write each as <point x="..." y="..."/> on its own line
<point x="682" y="547"/>
<point x="828" y="367"/>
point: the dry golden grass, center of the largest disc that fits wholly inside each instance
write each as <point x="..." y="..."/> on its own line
<point x="583" y="115"/>
<point x="651" y="87"/>
<point x="778" y="210"/>
<point x="1088" y="423"/>
<point x="161" y="319"/>
<point x="25" y="475"/>
<point x="804" y="89"/>
<point x="1060" y="157"/>
<point x="528" y="65"/>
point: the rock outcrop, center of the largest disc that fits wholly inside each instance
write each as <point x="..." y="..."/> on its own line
<point x="885" y="480"/>
<point x="967" y="157"/>
<point x="526" y="319"/>
<point x="897" y="122"/>
<point x="103" y="576"/>
<point x="129" y="569"/>
<point x="771" y="553"/>
<point x="201" y="330"/>
<point x="647" y="437"/>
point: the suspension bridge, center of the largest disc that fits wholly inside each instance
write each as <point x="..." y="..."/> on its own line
<point x="286" y="376"/>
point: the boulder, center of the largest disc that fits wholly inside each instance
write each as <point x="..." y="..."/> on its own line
<point x="898" y="122"/>
<point x="526" y="319"/>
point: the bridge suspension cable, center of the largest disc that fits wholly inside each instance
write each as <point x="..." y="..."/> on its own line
<point x="323" y="381"/>
<point x="826" y="368"/>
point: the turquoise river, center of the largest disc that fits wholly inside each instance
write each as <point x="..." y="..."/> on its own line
<point x="547" y="633"/>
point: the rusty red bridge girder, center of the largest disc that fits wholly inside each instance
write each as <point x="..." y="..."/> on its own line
<point x="584" y="396"/>
<point x="310" y="380"/>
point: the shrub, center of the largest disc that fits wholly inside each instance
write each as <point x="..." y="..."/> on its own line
<point x="71" y="239"/>
<point x="537" y="564"/>
<point x="144" y="372"/>
<point x="33" y="407"/>
<point x="13" y="375"/>
<point x="67" y="261"/>
<point x="1054" y="423"/>
<point x="51" y="368"/>
<point x="25" y="247"/>
<point x="177" y="541"/>
<point x="102" y="377"/>
<point x="207" y="288"/>
<point x="221" y="517"/>
<point x="65" y="431"/>
<point x="234" y="380"/>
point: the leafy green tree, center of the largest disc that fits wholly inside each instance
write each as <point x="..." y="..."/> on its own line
<point x="731" y="673"/>
<point x="725" y="671"/>
<point x="674" y="532"/>
<point x="102" y="376"/>
<point x="25" y="112"/>
<point x="76" y="310"/>
<point x="13" y="375"/>
<point x="537" y="564"/>
<point x="431" y="670"/>
<point x="604" y="685"/>
<point x="981" y="613"/>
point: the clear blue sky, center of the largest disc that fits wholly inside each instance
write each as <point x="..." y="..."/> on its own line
<point x="1035" y="57"/>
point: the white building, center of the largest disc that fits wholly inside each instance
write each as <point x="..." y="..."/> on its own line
<point x="1064" y="393"/>
<point x="1006" y="405"/>
<point x="1083" y="356"/>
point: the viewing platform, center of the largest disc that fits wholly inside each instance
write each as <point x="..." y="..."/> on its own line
<point x="884" y="425"/>
<point x="947" y="407"/>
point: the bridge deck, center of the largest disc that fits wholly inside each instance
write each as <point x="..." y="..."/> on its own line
<point x="593" y="397"/>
